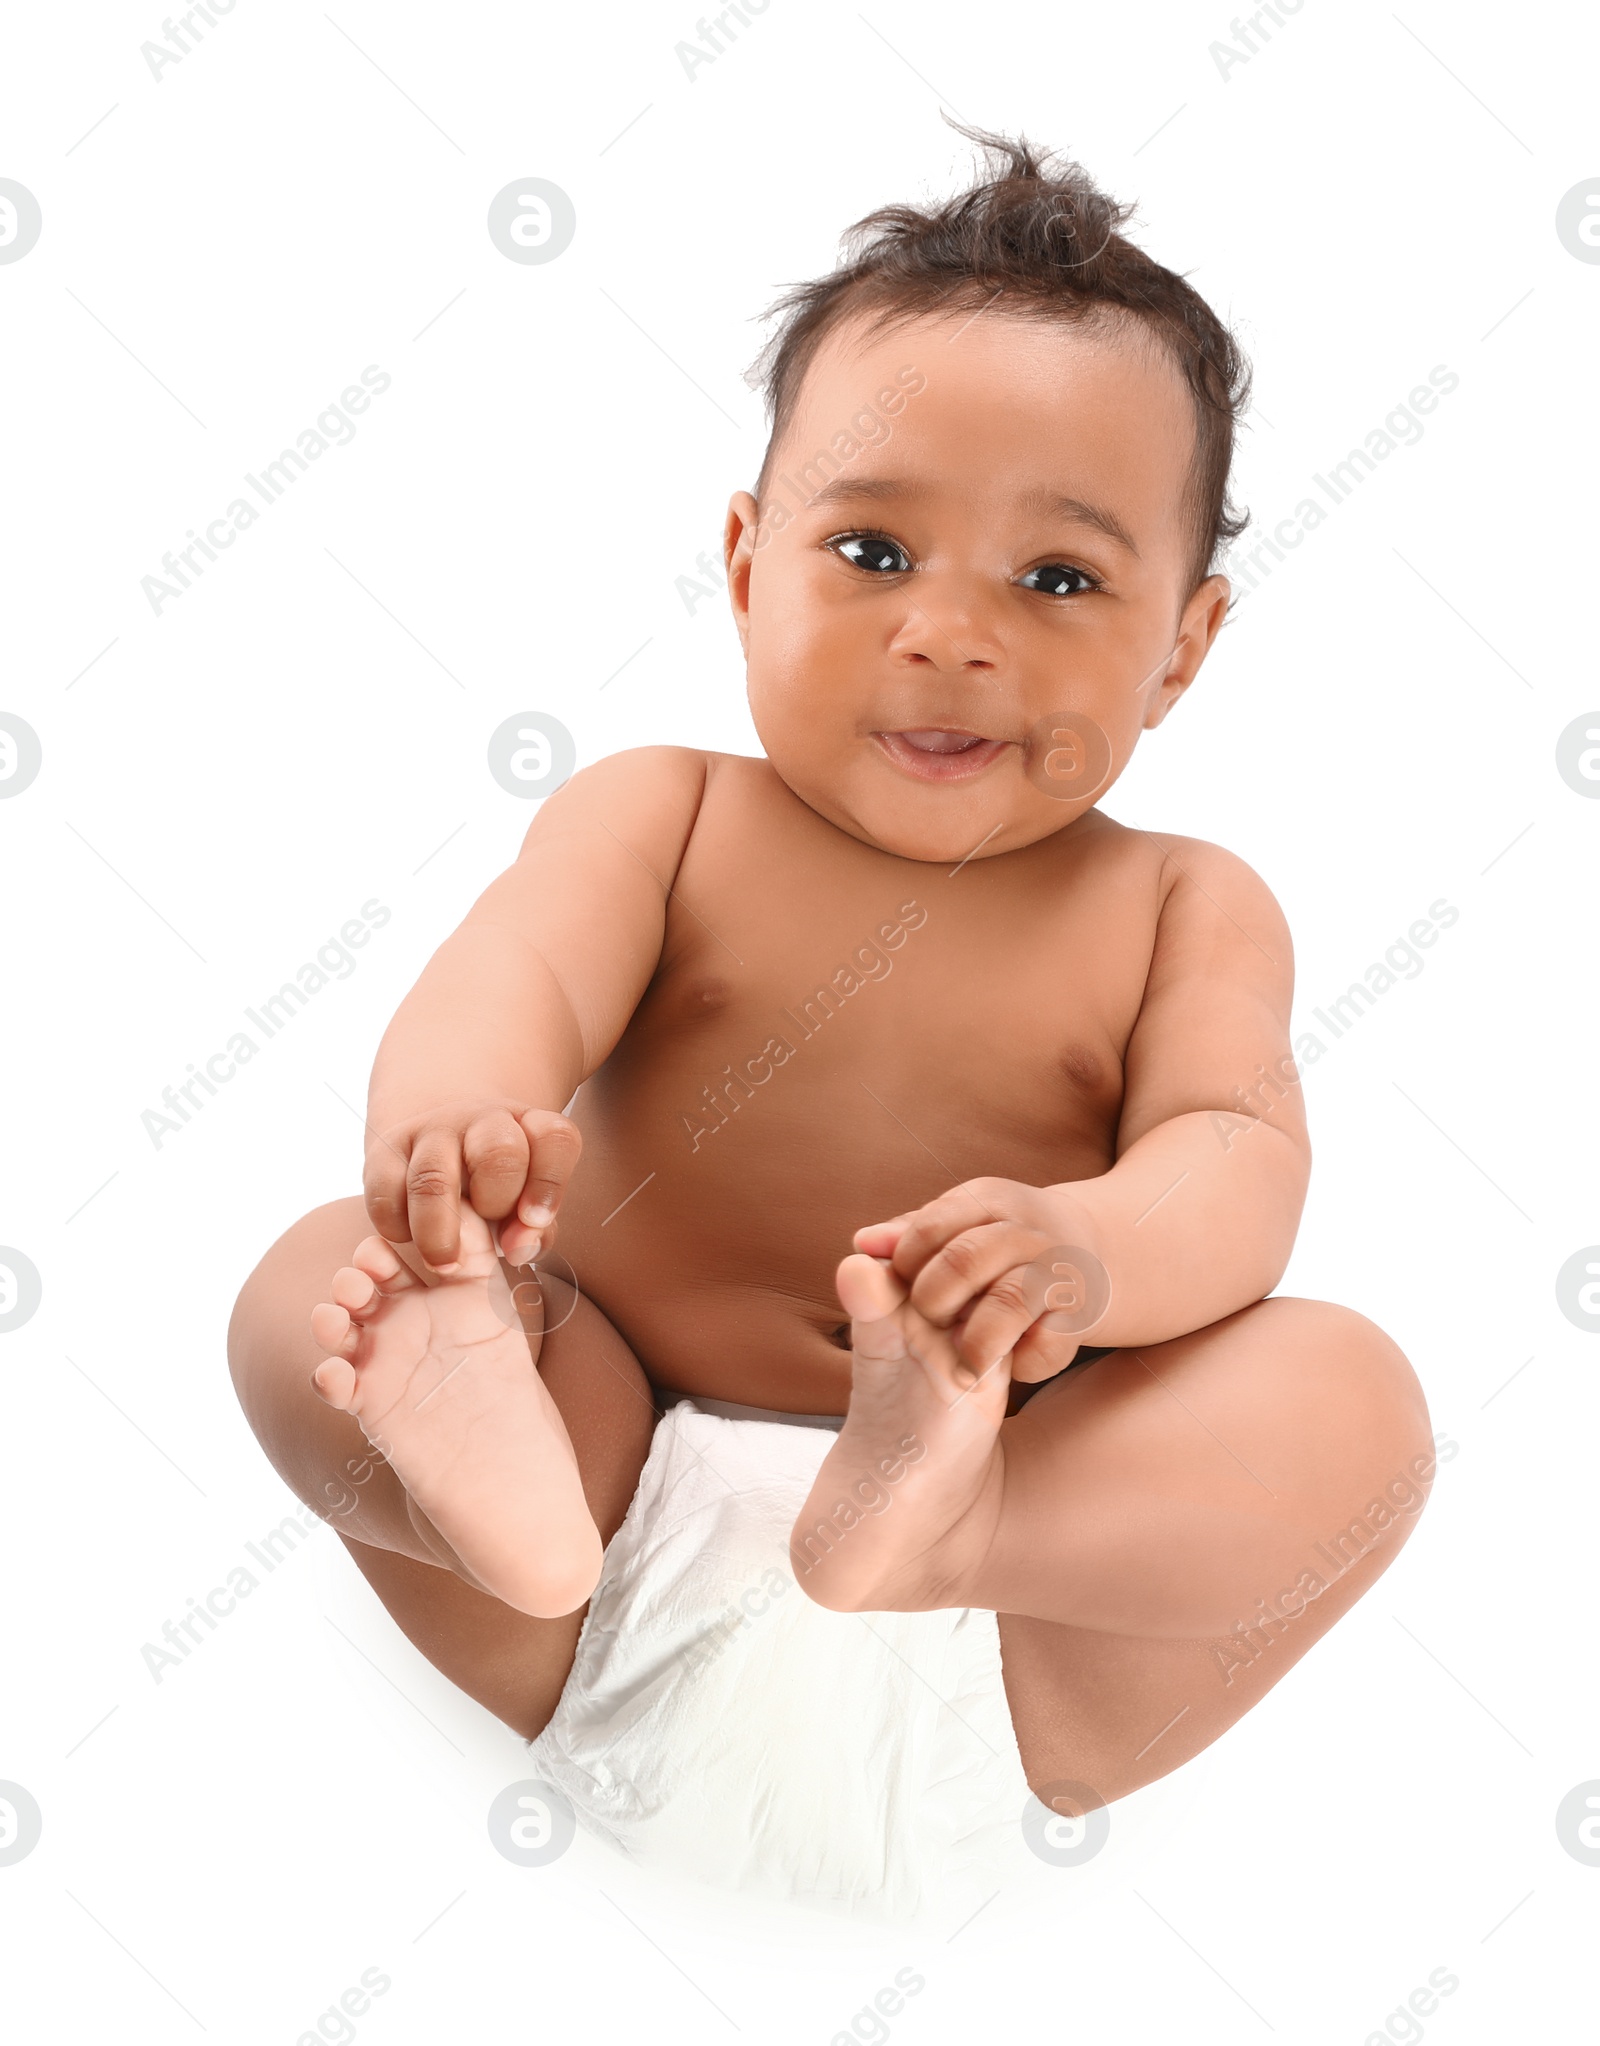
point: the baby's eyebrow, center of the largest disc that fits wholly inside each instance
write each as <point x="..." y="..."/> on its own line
<point x="1049" y="504"/>
<point x="1079" y="511"/>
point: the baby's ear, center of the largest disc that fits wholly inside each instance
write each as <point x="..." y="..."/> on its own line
<point x="1203" y="618"/>
<point x="741" y="537"/>
<point x="1161" y="701"/>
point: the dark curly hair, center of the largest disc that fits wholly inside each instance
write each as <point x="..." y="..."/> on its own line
<point x="1039" y="233"/>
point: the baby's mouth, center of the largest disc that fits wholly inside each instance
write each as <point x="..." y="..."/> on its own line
<point x="940" y="754"/>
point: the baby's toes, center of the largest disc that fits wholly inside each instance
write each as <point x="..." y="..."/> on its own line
<point x="381" y="1262"/>
<point x="885" y="1328"/>
<point x="333" y="1330"/>
<point x="334" y="1381"/>
<point x="869" y="1292"/>
<point x="477" y="1257"/>
<point x="520" y="1242"/>
<point x="356" y="1292"/>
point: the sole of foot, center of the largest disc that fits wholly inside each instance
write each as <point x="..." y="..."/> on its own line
<point x="437" y="1370"/>
<point x="906" y="1501"/>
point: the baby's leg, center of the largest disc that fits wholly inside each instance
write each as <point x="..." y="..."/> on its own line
<point x="512" y="1662"/>
<point x="1236" y="1492"/>
<point x="1162" y="1533"/>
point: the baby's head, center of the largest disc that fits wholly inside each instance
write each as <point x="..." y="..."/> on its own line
<point x="978" y="559"/>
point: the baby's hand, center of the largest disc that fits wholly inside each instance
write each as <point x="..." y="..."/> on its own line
<point x="507" y="1159"/>
<point x="976" y="1262"/>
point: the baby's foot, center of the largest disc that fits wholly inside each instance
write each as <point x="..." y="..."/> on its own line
<point x="907" y="1499"/>
<point x="438" y="1372"/>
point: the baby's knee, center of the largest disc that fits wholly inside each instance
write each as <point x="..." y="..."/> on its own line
<point x="1372" y="1399"/>
<point x="1354" y="1355"/>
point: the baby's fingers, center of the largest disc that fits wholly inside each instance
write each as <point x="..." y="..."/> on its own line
<point x="495" y="1148"/>
<point x="384" y="1187"/>
<point x="885" y="1328"/>
<point x="433" y="1197"/>
<point x="554" y="1144"/>
<point x="1041" y="1310"/>
<point x="1041" y="1353"/>
<point x="878" y="1239"/>
<point x="1001" y="1316"/>
<point x="935" y="1350"/>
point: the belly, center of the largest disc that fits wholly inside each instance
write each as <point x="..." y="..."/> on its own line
<point x="710" y="1236"/>
<point x="715" y="1264"/>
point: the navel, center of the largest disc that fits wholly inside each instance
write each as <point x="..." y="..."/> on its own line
<point x="1082" y="1068"/>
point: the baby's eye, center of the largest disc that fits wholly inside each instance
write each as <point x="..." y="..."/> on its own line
<point x="872" y="551"/>
<point x="1055" y="582"/>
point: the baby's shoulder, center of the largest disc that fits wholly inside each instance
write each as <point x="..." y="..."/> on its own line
<point x="681" y="770"/>
<point x="663" y="794"/>
<point x="669" y="779"/>
<point x="646" y="797"/>
<point x="1168" y="859"/>
<point x="1178" y="881"/>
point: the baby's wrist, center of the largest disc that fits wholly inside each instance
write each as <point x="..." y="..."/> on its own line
<point x="1078" y="1214"/>
<point x="1079" y="1225"/>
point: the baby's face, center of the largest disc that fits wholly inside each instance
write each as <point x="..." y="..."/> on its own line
<point x="955" y="634"/>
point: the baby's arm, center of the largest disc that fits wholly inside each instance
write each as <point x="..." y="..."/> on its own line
<point x="521" y="1003"/>
<point x="1197" y="1217"/>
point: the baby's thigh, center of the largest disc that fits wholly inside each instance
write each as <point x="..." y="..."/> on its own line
<point x="603" y="1397"/>
<point x="1262" y="1474"/>
<point x="511" y="1662"/>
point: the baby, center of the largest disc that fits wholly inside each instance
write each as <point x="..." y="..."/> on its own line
<point x="884" y="1075"/>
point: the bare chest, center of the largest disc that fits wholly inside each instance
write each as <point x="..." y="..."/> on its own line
<point x="818" y="1001"/>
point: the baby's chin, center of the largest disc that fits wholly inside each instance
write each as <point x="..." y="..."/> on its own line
<point x="943" y="826"/>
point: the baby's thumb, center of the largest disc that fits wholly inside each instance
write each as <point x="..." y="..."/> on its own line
<point x="554" y="1145"/>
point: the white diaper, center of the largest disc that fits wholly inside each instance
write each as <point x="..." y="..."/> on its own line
<point x="719" y="1725"/>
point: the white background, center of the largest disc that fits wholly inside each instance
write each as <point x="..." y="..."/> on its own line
<point x="227" y="782"/>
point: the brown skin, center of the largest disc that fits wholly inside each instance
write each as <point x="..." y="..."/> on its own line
<point x="1042" y="1042"/>
<point x="782" y="867"/>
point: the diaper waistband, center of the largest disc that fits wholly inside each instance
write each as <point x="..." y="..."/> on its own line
<point x="730" y="1410"/>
